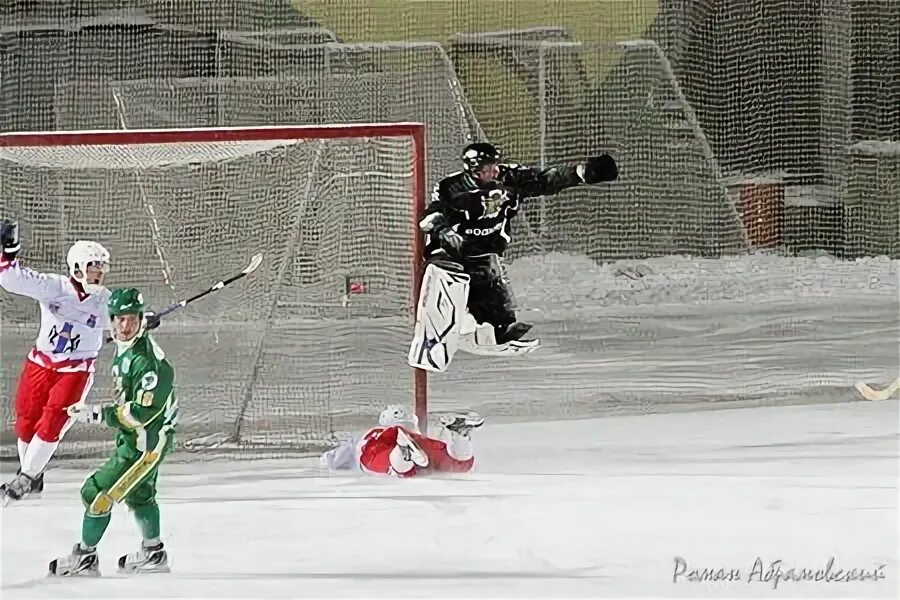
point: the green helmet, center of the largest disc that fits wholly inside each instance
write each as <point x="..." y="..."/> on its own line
<point x="125" y="301"/>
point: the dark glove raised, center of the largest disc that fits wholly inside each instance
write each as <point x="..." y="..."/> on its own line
<point x="600" y="168"/>
<point x="9" y="239"/>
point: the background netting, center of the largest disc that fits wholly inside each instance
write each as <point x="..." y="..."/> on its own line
<point x="716" y="93"/>
<point x="738" y="125"/>
<point x="282" y="359"/>
<point x="727" y="95"/>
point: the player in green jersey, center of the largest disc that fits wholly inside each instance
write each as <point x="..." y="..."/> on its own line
<point x="144" y="416"/>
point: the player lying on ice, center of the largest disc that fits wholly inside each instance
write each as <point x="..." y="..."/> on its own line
<point x="59" y="370"/>
<point x="397" y="447"/>
<point x="144" y="416"/>
<point x="466" y="301"/>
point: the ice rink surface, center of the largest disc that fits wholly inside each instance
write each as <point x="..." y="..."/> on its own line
<point x="588" y="508"/>
<point x="598" y="466"/>
<point x="678" y="333"/>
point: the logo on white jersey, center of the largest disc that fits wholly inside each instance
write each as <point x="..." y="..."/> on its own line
<point x="62" y="340"/>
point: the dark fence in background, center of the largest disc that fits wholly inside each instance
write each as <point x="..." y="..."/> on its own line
<point x="791" y="91"/>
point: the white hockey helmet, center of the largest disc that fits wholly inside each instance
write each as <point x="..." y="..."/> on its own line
<point x="396" y="414"/>
<point x="83" y="254"/>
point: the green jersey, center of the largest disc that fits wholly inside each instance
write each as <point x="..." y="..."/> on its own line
<point x="146" y="410"/>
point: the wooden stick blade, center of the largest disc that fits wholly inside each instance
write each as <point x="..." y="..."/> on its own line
<point x="254" y="264"/>
<point x="870" y="393"/>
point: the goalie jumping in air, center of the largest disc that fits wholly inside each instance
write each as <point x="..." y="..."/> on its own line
<point x="466" y="301"/>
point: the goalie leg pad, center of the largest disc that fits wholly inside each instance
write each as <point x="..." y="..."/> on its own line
<point x="439" y="317"/>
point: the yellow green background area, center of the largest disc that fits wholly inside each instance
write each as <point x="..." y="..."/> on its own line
<point x="437" y="20"/>
<point x="502" y="104"/>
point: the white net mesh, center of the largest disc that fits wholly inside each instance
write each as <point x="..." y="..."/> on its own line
<point x="738" y="124"/>
<point x="670" y="197"/>
<point x="784" y="91"/>
<point x="282" y="359"/>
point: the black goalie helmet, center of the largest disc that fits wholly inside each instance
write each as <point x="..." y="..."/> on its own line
<point x="475" y="156"/>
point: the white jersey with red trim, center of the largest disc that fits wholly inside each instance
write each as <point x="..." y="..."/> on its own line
<point x="73" y="323"/>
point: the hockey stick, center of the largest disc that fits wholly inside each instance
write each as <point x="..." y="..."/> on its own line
<point x="870" y="393"/>
<point x="254" y="264"/>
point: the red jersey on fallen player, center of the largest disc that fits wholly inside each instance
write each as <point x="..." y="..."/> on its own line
<point x="401" y="450"/>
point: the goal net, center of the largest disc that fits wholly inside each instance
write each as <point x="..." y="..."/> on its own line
<point x="314" y="342"/>
<point x="625" y="281"/>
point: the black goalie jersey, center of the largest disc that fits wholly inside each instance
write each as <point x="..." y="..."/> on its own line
<point x="481" y="212"/>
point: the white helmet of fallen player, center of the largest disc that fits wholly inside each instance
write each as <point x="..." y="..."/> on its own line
<point x="396" y="414"/>
<point x="88" y="264"/>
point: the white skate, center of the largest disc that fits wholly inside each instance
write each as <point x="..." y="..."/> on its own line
<point x="81" y="562"/>
<point x="463" y="424"/>
<point x="149" y="559"/>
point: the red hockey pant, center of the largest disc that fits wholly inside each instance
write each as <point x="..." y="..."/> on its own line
<point x="43" y="397"/>
<point x="440" y="458"/>
<point x="375" y="455"/>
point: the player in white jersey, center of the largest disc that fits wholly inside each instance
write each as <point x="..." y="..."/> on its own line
<point x="59" y="370"/>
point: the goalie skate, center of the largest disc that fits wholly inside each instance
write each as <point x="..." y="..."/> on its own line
<point x="515" y="333"/>
<point x="81" y="563"/>
<point x="479" y="339"/>
<point x="149" y="559"/>
<point x="507" y="349"/>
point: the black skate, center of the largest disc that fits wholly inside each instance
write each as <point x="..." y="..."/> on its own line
<point x="37" y="486"/>
<point x="149" y="559"/>
<point x="463" y="424"/>
<point x="513" y="333"/>
<point x="81" y="563"/>
<point x="18" y="488"/>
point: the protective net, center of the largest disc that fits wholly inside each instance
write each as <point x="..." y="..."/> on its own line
<point x="756" y="140"/>
<point x="313" y="343"/>
<point x="670" y="198"/>
<point x="722" y="146"/>
<point x="784" y="91"/>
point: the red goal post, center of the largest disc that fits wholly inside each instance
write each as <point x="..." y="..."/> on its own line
<point x="335" y="208"/>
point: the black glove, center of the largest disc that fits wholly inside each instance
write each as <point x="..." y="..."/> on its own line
<point x="600" y="168"/>
<point x="437" y="225"/>
<point x="9" y="239"/>
<point x="152" y="320"/>
<point x="450" y="239"/>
